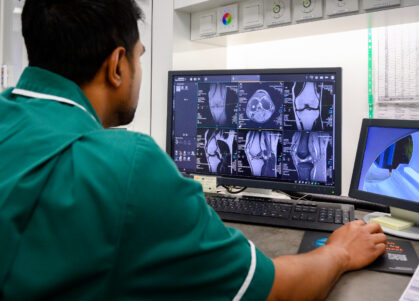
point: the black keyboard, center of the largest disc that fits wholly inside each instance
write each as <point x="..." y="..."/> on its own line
<point x="286" y="213"/>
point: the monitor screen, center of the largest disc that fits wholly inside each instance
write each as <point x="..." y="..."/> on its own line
<point x="387" y="164"/>
<point x="261" y="128"/>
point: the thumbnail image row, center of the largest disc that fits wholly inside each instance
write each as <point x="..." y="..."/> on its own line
<point x="291" y="155"/>
<point x="266" y="105"/>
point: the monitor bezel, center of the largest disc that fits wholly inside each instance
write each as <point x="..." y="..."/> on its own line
<point x="363" y="137"/>
<point x="262" y="183"/>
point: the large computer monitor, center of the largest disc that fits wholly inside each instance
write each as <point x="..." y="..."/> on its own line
<point x="387" y="169"/>
<point x="272" y="128"/>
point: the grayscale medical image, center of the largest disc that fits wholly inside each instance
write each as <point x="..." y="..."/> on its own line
<point x="215" y="149"/>
<point x="260" y="105"/>
<point x="308" y="155"/>
<point x="217" y="104"/>
<point x="258" y="153"/>
<point x="308" y="106"/>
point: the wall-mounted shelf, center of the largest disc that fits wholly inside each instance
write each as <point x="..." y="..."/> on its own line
<point x="335" y="25"/>
<point x="196" y="7"/>
<point x="192" y="6"/>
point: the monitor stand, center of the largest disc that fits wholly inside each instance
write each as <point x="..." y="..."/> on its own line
<point x="259" y="192"/>
<point x="409" y="233"/>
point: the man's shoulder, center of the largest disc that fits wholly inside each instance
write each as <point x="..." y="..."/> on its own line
<point x="119" y="151"/>
<point x="117" y="140"/>
<point x="110" y="160"/>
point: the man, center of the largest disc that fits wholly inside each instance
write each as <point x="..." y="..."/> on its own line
<point x="94" y="214"/>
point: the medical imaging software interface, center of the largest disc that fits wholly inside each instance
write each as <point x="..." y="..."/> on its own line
<point x="272" y="127"/>
<point x="391" y="163"/>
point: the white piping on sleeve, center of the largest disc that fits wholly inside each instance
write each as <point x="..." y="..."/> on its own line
<point x="250" y="275"/>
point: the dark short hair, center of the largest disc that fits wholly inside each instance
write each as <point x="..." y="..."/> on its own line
<point x="74" y="37"/>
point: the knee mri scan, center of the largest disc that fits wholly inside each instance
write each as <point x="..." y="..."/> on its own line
<point x="308" y="106"/>
<point x="259" y="153"/>
<point x="217" y="147"/>
<point x="266" y="129"/>
<point x="260" y="105"/>
<point x="217" y="104"/>
<point x="310" y="153"/>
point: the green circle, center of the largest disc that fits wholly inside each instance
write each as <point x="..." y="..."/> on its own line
<point x="306" y="3"/>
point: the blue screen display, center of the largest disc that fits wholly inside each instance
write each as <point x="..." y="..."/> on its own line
<point x="391" y="163"/>
<point x="266" y="126"/>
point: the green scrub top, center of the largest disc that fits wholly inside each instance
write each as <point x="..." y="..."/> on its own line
<point x="94" y="214"/>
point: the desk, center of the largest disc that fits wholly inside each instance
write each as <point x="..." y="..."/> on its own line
<point x="362" y="285"/>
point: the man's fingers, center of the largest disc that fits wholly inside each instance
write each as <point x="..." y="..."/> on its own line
<point x="374" y="227"/>
<point x="359" y="222"/>
<point x="380" y="249"/>
<point x="379" y="238"/>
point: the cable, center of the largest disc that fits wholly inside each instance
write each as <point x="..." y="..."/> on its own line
<point x="230" y="189"/>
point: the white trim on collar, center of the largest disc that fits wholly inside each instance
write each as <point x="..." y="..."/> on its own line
<point x="32" y="94"/>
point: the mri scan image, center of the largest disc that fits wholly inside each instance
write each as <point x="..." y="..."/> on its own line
<point x="217" y="104"/>
<point x="260" y="105"/>
<point x="310" y="153"/>
<point x="215" y="151"/>
<point x="308" y="106"/>
<point x="258" y="153"/>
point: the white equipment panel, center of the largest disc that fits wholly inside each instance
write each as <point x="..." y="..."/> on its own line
<point x="277" y="12"/>
<point x="208" y="23"/>
<point x="307" y="9"/>
<point x="336" y="7"/>
<point x="370" y="4"/>
<point x="252" y="14"/>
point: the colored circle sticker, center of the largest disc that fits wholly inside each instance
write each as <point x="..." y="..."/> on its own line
<point x="306" y="3"/>
<point x="227" y="18"/>
<point x="276" y="9"/>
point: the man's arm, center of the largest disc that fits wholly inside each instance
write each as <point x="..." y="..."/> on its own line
<point x="310" y="276"/>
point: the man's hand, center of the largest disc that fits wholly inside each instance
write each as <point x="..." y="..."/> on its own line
<point x="310" y="276"/>
<point x="359" y="243"/>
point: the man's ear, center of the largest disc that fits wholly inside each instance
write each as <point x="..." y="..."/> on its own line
<point x="115" y="67"/>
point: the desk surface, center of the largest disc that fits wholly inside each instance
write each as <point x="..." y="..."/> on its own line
<point x="359" y="285"/>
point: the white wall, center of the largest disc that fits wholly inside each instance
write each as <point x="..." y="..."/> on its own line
<point x="1" y="32"/>
<point x="191" y="55"/>
<point x="13" y="47"/>
<point x="161" y="62"/>
<point x="142" y="119"/>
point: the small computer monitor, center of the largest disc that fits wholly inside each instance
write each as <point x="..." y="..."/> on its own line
<point x="387" y="166"/>
<point x="272" y="128"/>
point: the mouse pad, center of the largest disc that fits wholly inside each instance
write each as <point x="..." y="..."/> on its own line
<point x="400" y="256"/>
